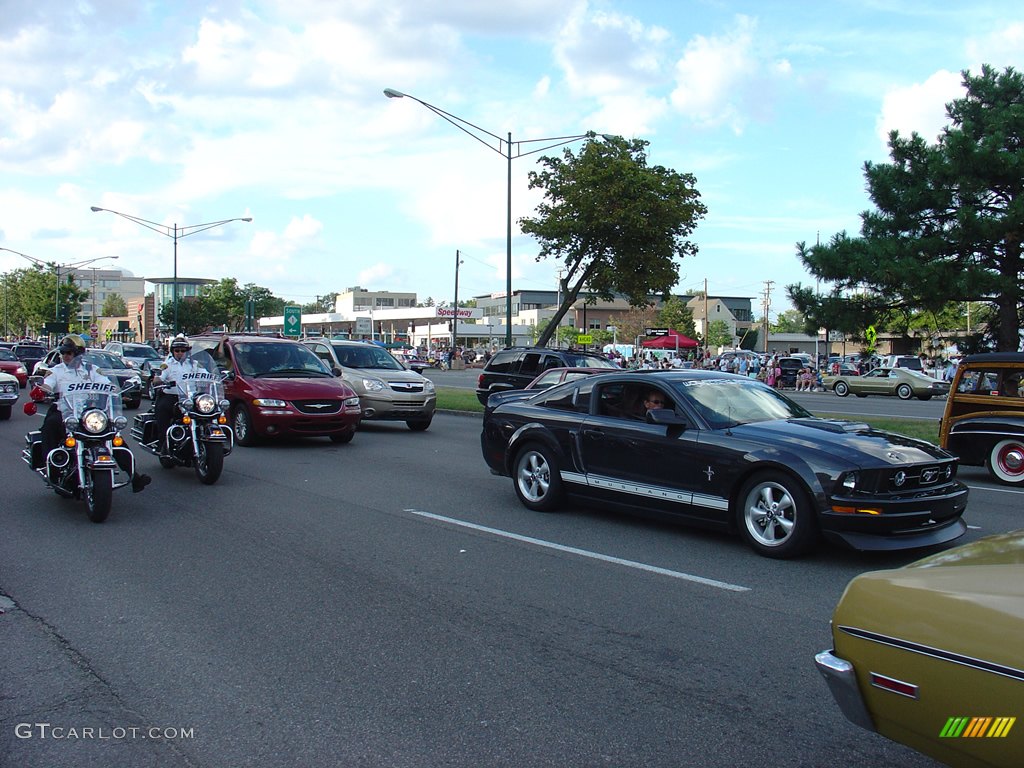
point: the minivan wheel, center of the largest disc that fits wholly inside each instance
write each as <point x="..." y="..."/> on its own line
<point x="242" y="424"/>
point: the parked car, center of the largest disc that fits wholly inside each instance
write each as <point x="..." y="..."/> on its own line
<point x="388" y="391"/>
<point x="913" y="362"/>
<point x="141" y="357"/>
<point x="278" y="387"/>
<point x="929" y="655"/>
<point x="903" y="383"/>
<point x="726" y="452"/>
<point x="8" y="394"/>
<point x="515" y="367"/>
<point x="10" y="364"/>
<point x="111" y="366"/>
<point x="790" y="367"/>
<point x="30" y="353"/>
<point x="983" y="422"/>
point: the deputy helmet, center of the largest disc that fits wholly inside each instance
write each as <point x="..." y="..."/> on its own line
<point x="181" y="342"/>
<point x="72" y="343"/>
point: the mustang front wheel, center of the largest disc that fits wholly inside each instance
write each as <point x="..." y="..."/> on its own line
<point x="904" y="392"/>
<point x="775" y="516"/>
<point x="537" y="481"/>
<point x="841" y="388"/>
<point x="1006" y="462"/>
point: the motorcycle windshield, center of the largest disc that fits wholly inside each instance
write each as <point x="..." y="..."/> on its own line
<point x="89" y="396"/>
<point x="205" y="379"/>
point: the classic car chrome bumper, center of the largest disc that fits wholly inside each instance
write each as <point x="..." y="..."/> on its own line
<point x="842" y="682"/>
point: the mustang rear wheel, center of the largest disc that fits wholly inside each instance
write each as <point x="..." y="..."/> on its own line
<point x="841" y="388"/>
<point x="775" y="516"/>
<point x="536" y="478"/>
<point x="904" y="392"/>
<point x="1006" y="462"/>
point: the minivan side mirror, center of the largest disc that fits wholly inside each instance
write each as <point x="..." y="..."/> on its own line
<point x="336" y="370"/>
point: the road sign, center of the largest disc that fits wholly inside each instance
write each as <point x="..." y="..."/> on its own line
<point x="584" y="338"/>
<point x="656" y="331"/>
<point x="93" y="329"/>
<point x="292" y="321"/>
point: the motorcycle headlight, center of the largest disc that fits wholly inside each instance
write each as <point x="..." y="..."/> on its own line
<point x="120" y="422"/>
<point x="95" y="422"/>
<point x="70" y="424"/>
<point x="205" y="404"/>
<point x="187" y="404"/>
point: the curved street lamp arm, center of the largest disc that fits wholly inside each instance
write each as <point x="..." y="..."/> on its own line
<point x="194" y="228"/>
<point x="164" y="229"/>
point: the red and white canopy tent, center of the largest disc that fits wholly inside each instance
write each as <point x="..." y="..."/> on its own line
<point x="673" y="340"/>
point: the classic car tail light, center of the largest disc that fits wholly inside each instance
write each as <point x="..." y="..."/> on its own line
<point x="893" y="685"/>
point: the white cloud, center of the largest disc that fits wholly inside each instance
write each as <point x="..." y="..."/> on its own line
<point x="726" y="79"/>
<point x="919" y="107"/>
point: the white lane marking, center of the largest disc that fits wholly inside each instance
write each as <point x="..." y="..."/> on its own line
<point x="583" y="553"/>
<point x="990" y="488"/>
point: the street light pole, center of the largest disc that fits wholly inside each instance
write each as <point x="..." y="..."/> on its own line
<point x="455" y="305"/>
<point x="505" y="149"/>
<point x="175" y="233"/>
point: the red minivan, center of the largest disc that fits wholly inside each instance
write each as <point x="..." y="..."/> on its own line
<point x="278" y="387"/>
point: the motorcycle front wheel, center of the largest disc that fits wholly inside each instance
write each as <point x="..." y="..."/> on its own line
<point x="99" y="495"/>
<point x="210" y="462"/>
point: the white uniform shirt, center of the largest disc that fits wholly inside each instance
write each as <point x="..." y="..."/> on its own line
<point x="174" y="371"/>
<point x="64" y="378"/>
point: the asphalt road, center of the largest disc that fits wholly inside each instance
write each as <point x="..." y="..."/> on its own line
<point x="390" y="603"/>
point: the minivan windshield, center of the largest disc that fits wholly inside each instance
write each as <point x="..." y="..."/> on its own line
<point x="264" y="358"/>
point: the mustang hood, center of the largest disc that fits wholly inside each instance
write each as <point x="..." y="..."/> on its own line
<point x="850" y="440"/>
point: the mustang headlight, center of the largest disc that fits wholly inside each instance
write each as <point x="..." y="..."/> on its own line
<point x="205" y="404"/>
<point x="95" y="422"/>
<point x="373" y="385"/>
<point x="850" y="481"/>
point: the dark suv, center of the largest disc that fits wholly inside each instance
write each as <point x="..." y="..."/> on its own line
<point x="279" y="387"/>
<point x="515" y="367"/>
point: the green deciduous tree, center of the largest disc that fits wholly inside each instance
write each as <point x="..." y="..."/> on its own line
<point x="718" y="334"/>
<point x="114" y="306"/>
<point x="676" y="315"/>
<point x="948" y="223"/>
<point x="616" y="223"/>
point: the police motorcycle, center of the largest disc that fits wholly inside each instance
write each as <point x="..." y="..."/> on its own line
<point x="199" y="436"/>
<point x="86" y="465"/>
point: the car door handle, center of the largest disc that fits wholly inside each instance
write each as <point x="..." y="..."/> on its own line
<point x="594" y="434"/>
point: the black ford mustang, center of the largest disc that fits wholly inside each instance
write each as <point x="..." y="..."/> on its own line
<point x="728" y="452"/>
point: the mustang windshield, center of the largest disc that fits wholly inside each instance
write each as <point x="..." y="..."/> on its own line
<point x="728" y="403"/>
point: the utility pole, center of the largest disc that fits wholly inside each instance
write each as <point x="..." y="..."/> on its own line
<point x="707" y="319"/>
<point x="767" y="306"/>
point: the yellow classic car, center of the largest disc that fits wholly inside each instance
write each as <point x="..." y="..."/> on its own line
<point x="983" y="422"/>
<point x="903" y="383"/>
<point x="932" y="655"/>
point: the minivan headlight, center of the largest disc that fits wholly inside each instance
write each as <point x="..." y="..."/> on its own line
<point x="373" y="385"/>
<point x="428" y="385"/>
<point x="268" y="403"/>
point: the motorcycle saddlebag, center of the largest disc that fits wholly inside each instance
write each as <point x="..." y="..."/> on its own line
<point x="34" y="440"/>
<point x="144" y="427"/>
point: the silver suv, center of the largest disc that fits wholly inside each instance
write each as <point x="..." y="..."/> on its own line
<point x="388" y="391"/>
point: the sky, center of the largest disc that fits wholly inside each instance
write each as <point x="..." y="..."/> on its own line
<point x="186" y="113"/>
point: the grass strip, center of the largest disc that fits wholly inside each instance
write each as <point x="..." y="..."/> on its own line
<point x="451" y="399"/>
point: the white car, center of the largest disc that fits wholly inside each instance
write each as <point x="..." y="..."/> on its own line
<point x="8" y="394"/>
